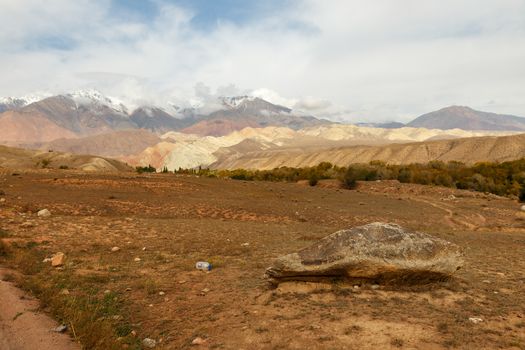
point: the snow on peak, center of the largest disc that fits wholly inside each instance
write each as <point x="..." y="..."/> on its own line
<point x="236" y="101"/>
<point x="22" y="101"/>
<point x="91" y="96"/>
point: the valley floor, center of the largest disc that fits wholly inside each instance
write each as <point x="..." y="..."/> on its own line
<point x="163" y="224"/>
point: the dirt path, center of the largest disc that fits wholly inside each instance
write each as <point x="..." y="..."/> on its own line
<point x="22" y="328"/>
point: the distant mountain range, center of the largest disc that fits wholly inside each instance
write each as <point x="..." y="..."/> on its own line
<point x="240" y="127"/>
<point x="82" y="114"/>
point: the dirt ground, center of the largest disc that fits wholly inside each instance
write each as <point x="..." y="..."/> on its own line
<point x="163" y="224"/>
<point x="22" y="328"/>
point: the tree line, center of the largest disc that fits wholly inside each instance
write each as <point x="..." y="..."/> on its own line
<point x="504" y="179"/>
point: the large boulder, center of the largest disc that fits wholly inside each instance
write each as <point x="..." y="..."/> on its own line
<point x="377" y="253"/>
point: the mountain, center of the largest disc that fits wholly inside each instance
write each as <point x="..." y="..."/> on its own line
<point x="467" y="150"/>
<point x="15" y="103"/>
<point x="244" y="111"/>
<point x="459" y="117"/>
<point x="19" y="159"/>
<point x="157" y="120"/>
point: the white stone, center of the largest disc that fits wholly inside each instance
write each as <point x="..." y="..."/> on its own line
<point x="44" y="213"/>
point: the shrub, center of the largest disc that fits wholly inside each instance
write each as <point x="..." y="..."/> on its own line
<point x="350" y="179"/>
<point x="313" y="180"/>
<point x="521" y="195"/>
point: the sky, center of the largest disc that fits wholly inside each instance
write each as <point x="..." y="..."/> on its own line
<point x="380" y="60"/>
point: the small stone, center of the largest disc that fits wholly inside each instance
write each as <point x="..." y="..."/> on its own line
<point x="137" y="259"/>
<point x="475" y="320"/>
<point x="60" y="329"/>
<point x="522" y="208"/>
<point x="134" y="333"/>
<point x="58" y="259"/>
<point x="64" y="292"/>
<point x="205" y="290"/>
<point x="162" y="293"/>
<point x="199" y="341"/>
<point x="46" y="260"/>
<point x="2" y="200"/>
<point x="246" y="244"/>
<point x="149" y="343"/>
<point x="375" y="286"/>
<point x="356" y="287"/>
<point x="44" y="213"/>
<point x="128" y="289"/>
<point x="143" y="248"/>
<point x="182" y="282"/>
<point x="486" y="281"/>
<point x="115" y="249"/>
<point x="107" y="291"/>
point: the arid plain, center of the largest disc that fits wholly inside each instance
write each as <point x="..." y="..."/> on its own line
<point x="163" y="224"/>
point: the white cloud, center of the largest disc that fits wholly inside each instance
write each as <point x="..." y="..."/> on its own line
<point x="347" y="59"/>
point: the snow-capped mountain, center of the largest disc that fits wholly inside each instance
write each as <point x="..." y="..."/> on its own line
<point x="13" y="103"/>
<point x="91" y="96"/>
<point x="235" y="101"/>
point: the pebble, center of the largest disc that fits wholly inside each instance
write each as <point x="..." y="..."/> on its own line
<point x="115" y="249"/>
<point x="522" y="208"/>
<point x="475" y="320"/>
<point x="375" y="286"/>
<point x="2" y="200"/>
<point x="198" y="341"/>
<point x="60" y="329"/>
<point x="44" y="213"/>
<point x="137" y="259"/>
<point x="58" y="259"/>
<point x="149" y="343"/>
<point x="162" y="293"/>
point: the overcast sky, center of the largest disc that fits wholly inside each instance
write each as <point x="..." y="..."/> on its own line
<point x="356" y="60"/>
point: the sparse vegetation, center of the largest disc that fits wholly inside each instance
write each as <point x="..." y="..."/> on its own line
<point x="504" y="179"/>
<point x="145" y="169"/>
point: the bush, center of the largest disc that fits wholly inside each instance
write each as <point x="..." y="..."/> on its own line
<point x="350" y="179"/>
<point x="313" y="180"/>
<point x="521" y="195"/>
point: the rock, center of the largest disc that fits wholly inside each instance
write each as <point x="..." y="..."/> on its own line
<point x="522" y="208"/>
<point x="377" y="253"/>
<point x="58" y="259"/>
<point x="60" y="329"/>
<point x="199" y="341"/>
<point x="2" y="200"/>
<point x="115" y="249"/>
<point x="475" y="320"/>
<point x="149" y="343"/>
<point x="137" y="259"/>
<point x="44" y="213"/>
<point x="162" y="293"/>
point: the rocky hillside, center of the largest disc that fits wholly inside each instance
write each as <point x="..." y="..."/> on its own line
<point x="23" y="159"/>
<point x="467" y="150"/>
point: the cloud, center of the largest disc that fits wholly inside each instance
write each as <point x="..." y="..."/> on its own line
<point x="345" y="59"/>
